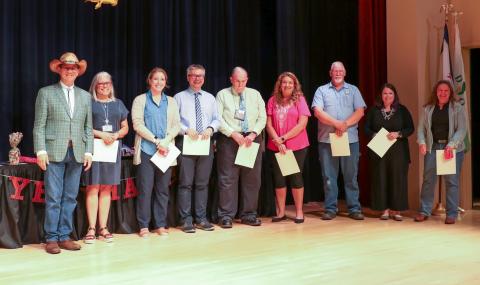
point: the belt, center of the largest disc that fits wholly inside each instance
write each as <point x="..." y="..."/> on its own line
<point x="242" y="133"/>
<point x="441" y="141"/>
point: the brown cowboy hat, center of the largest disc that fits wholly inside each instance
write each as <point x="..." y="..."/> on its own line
<point x="68" y="58"/>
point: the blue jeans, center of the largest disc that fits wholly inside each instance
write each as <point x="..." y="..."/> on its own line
<point x="62" y="180"/>
<point x="430" y="180"/>
<point x="330" y="166"/>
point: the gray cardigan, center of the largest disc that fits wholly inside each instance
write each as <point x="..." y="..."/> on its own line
<point x="457" y="126"/>
<point x="173" y="124"/>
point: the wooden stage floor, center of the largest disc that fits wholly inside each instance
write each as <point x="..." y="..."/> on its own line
<point x="341" y="251"/>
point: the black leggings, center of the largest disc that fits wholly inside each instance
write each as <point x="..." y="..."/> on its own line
<point x="296" y="180"/>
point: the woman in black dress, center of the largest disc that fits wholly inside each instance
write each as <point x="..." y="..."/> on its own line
<point x="389" y="174"/>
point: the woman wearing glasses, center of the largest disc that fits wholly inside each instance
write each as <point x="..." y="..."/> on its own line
<point x="109" y="120"/>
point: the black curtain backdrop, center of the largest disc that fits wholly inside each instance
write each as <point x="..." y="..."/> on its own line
<point x="266" y="37"/>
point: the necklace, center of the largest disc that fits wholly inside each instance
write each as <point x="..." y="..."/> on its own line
<point x="105" y="110"/>
<point x="387" y="115"/>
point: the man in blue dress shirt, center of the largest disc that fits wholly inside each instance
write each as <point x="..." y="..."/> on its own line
<point x="339" y="106"/>
<point x="198" y="119"/>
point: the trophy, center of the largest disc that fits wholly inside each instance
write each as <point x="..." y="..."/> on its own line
<point x="14" y="153"/>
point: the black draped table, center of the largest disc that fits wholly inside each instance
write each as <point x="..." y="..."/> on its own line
<point x="22" y="204"/>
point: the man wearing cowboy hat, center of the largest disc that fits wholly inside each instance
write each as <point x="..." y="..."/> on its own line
<point x="63" y="141"/>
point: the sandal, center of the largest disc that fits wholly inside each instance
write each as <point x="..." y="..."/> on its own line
<point x="144" y="232"/>
<point x="105" y="234"/>
<point x="90" y="238"/>
<point x="397" y="217"/>
<point x="385" y="215"/>
<point x="162" y="231"/>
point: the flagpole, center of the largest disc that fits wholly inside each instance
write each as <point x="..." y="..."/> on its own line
<point x="446" y="9"/>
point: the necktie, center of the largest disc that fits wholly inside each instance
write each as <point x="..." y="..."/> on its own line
<point x="244" y="109"/>
<point x="198" y="114"/>
<point x="69" y="102"/>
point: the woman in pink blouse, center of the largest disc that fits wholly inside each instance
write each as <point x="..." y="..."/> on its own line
<point x="287" y="117"/>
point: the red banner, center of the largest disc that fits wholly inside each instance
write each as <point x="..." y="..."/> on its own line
<point x="19" y="184"/>
<point x="39" y="195"/>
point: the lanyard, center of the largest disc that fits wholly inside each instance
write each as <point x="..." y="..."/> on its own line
<point x="105" y="111"/>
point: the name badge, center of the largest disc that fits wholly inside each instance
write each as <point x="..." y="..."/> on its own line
<point x="239" y="115"/>
<point x="107" y="128"/>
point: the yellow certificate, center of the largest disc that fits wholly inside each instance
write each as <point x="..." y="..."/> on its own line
<point x="287" y="162"/>
<point x="195" y="147"/>
<point x="380" y="143"/>
<point x="446" y="167"/>
<point x="339" y="145"/>
<point x="246" y="156"/>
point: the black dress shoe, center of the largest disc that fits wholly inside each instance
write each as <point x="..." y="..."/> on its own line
<point x="205" y="225"/>
<point x="252" y="222"/>
<point x="188" y="228"/>
<point x="328" y="216"/>
<point x="298" y="220"/>
<point x="279" y="219"/>
<point x="226" y="224"/>
<point x="356" y="216"/>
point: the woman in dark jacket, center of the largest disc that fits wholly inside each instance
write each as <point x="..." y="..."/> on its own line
<point x="389" y="174"/>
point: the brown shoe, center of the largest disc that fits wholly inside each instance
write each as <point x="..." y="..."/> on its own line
<point x="69" y="245"/>
<point x="52" y="247"/>
<point x="450" y="220"/>
<point x="420" y="218"/>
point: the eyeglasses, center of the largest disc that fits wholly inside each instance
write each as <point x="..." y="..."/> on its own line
<point x="104" y="84"/>
<point x="196" y="75"/>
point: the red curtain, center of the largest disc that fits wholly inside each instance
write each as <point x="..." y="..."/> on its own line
<point x="372" y="54"/>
